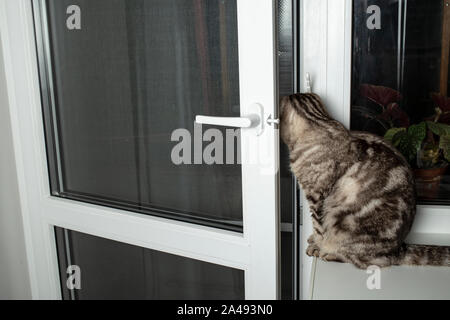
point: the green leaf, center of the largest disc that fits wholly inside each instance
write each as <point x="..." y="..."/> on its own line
<point x="439" y="129"/>
<point x="390" y="134"/>
<point x="400" y="137"/>
<point x="444" y="144"/>
<point x="417" y="132"/>
<point x="406" y="147"/>
<point x="407" y="141"/>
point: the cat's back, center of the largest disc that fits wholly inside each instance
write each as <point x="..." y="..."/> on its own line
<point x="375" y="195"/>
<point x="369" y="147"/>
<point x="378" y="169"/>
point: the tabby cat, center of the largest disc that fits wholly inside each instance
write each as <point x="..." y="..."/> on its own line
<point x="360" y="190"/>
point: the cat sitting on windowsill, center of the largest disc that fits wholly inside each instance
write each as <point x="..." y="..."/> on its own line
<point x="360" y="190"/>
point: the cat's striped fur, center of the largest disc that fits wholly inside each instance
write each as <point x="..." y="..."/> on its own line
<point x="360" y="190"/>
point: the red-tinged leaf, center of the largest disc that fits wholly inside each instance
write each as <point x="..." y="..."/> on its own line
<point x="445" y="118"/>
<point x="394" y="113"/>
<point x="441" y="101"/>
<point x="381" y="95"/>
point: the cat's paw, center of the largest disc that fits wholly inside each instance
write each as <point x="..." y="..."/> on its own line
<point x="315" y="239"/>
<point x="313" y="250"/>
<point x="330" y="257"/>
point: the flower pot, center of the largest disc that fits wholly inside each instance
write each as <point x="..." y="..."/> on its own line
<point x="428" y="181"/>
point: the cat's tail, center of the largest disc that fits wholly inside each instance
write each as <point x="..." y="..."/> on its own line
<point x="423" y="255"/>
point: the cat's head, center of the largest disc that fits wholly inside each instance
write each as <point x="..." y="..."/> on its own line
<point x="299" y="113"/>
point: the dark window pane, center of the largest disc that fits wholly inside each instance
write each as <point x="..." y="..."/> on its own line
<point x="286" y="83"/>
<point x="400" y="80"/>
<point x="135" y="72"/>
<point x="114" y="270"/>
<point x="287" y="266"/>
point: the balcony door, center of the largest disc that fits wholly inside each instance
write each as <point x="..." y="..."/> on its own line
<point x="146" y="148"/>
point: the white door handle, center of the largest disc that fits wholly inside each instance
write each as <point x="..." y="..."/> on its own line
<point x="250" y="121"/>
<point x="235" y="122"/>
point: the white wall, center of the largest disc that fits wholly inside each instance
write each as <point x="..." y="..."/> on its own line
<point x="14" y="279"/>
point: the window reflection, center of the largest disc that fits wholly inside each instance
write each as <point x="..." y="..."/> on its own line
<point x="135" y="72"/>
<point x="400" y="85"/>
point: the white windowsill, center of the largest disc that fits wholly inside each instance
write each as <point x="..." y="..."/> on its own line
<point x="331" y="280"/>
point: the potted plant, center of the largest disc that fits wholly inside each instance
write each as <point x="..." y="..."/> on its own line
<point x="426" y="146"/>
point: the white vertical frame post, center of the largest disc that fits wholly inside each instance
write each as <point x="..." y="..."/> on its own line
<point x="24" y="103"/>
<point x="325" y="53"/>
<point x="255" y="251"/>
<point x="258" y="61"/>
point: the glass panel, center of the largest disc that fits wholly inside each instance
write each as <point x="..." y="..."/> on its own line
<point x="400" y="85"/>
<point x="121" y="84"/>
<point x="287" y="266"/>
<point x="114" y="270"/>
<point x="288" y="210"/>
<point x="286" y="87"/>
<point x="136" y="71"/>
